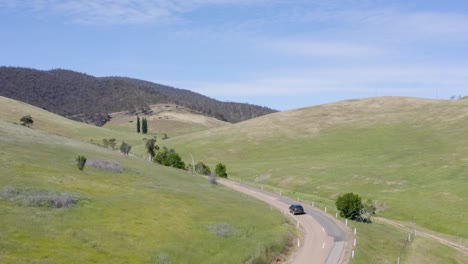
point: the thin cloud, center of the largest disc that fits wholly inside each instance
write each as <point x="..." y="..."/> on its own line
<point x="387" y="80"/>
<point x="119" y="11"/>
<point x="322" y="48"/>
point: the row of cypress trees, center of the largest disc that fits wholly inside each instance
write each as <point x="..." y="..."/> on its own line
<point x="143" y="126"/>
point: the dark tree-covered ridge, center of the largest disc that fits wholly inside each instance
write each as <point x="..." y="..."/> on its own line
<point x="90" y="99"/>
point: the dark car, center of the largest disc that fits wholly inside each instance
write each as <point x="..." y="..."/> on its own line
<point x="296" y="209"/>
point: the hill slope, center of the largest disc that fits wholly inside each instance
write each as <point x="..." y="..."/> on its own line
<point x="86" y="98"/>
<point x="407" y="154"/>
<point x="169" y="119"/>
<point x="144" y="214"/>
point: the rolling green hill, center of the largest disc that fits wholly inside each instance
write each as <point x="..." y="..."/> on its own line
<point x="409" y="155"/>
<point x="168" y="119"/>
<point x="144" y="214"/>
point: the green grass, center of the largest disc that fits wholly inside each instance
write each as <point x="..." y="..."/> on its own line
<point x="146" y="214"/>
<point x="407" y="154"/>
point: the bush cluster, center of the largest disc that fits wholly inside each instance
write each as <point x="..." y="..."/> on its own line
<point x="108" y="165"/>
<point x="38" y="198"/>
<point x="169" y="158"/>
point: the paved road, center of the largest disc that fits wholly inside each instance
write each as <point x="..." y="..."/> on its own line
<point x="323" y="240"/>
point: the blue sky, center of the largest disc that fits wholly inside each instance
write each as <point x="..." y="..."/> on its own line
<point x="282" y="54"/>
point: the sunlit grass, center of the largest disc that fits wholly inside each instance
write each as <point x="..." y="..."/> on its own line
<point x="146" y="214"/>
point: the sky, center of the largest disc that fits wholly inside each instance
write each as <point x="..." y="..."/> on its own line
<point x="283" y="54"/>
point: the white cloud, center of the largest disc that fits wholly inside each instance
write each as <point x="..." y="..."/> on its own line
<point x="387" y="80"/>
<point x="320" y="48"/>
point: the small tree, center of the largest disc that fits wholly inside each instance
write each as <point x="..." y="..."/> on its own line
<point x="27" y="121"/>
<point x="125" y="148"/>
<point x="112" y="143"/>
<point x="151" y="147"/>
<point x="165" y="136"/>
<point x="105" y="143"/>
<point x="169" y="158"/>
<point x="203" y="169"/>
<point x="221" y="170"/>
<point x="138" y="125"/>
<point x="349" y="205"/>
<point x="144" y="126"/>
<point x="80" y="162"/>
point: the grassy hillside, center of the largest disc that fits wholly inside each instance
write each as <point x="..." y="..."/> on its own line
<point x="145" y="214"/>
<point x="89" y="99"/>
<point x="163" y="119"/>
<point x="407" y="154"/>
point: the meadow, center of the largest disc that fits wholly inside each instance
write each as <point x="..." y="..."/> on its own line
<point x="407" y="155"/>
<point x="145" y="214"/>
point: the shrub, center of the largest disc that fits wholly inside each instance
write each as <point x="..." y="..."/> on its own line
<point x="221" y="170"/>
<point x="125" y="148"/>
<point x="38" y="198"/>
<point x="108" y="165"/>
<point x="202" y="169"/>
<point x="169" y="158"/>
<point x="27" y="121"/>
<point x="349" y="205"/>
<point x="81" y="161"/>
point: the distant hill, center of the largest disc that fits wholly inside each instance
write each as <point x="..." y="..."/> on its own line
<point x="409" y="155"/>
<point x="90" y="99"/>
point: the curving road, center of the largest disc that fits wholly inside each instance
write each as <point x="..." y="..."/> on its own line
<point x="324" y="240"/>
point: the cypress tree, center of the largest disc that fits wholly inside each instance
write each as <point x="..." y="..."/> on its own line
<point x="138" y="124"/>
<point x="144" y="127"/>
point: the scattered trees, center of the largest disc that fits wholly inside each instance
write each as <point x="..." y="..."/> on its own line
<point x="80" y="162"/>
<point x="170" y="158"/>
<point x="27" y="121"/>
<point x="125" y="148"/>
<point x="221" y="170"/>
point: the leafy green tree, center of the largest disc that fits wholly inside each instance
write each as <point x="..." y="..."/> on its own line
<point x="221" y="170"/>
<point x="80" y="162"/>
<point x="112" y="143"/>
<point x="151" y="147"/>
<point x="349" y="205"/>
<point x="27" y="121"/>
<point x="203" y="169"/>
<point x="138" y="125"/>
<point x="125" y="148"/>
<point x="105" y="143"/>
<point x="169" y="158"/>
<point x="174" y="160"/>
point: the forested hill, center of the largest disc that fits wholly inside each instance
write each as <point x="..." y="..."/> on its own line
<point x="90" y="99"/>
